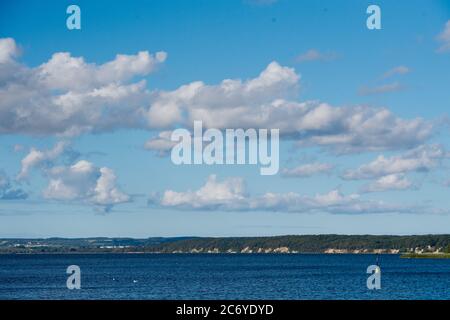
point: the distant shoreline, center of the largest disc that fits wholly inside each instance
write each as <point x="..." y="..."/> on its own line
<point x="402" y="255"/>
<point x="420" y="246"/>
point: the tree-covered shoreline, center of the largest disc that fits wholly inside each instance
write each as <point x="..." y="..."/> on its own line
<point x="412" y="244"/>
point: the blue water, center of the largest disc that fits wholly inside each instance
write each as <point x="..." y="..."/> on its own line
<point x="220" y="276"/>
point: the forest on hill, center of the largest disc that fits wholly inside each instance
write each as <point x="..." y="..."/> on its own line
<point x="275" y="244"/>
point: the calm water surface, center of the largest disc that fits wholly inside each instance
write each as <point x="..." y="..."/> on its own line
<point x="220" y="276"/>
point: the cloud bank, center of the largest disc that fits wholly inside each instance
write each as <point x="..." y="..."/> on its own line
<point x="67" y="96"/>
<point x="230" y="195"/>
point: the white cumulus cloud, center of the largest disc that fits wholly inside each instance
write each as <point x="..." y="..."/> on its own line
<point x="83" y="181"/>
<point x="68" y="96"/>
<point x="267" y="102"/>
<point x="213" y="194"/>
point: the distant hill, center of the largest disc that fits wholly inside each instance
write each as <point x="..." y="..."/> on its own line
<point x="277" y="244"/>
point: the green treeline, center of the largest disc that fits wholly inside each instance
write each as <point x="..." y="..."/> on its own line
<point x="311" y="243"/>
<point x="282" y="244"/>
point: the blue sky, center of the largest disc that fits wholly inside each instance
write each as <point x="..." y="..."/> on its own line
<point x="363" y="116"/>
